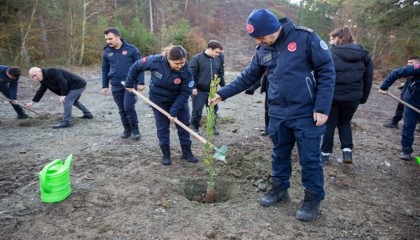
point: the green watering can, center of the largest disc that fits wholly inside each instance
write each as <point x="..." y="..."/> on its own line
<point x="54" y="181"/>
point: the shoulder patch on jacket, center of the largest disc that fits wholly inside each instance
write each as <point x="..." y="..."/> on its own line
<point x="144" y="60"/>
<point x="304" y="28"/>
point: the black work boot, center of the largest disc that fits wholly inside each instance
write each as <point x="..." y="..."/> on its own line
<point x="127" y="131"/>
<point x="135" y="131"/>
<point x="309" y="207"/>
<point x="166" y="151"/>
<point x="187" y="154"/>
<point x="274" y="195"/>
<point x="62" y="124"/>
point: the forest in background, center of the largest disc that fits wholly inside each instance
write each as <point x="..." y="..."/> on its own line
<point x="69" y="32"/>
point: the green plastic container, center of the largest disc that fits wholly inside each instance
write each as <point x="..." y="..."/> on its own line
<point x="418" y="160"/>
<point x="54" y="181"/>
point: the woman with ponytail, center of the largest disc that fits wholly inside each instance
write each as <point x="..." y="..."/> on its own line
<point x="171" y="84"/>
<point x="354" y="71"/>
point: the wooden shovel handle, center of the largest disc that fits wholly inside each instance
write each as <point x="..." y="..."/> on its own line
<point x="403" y="102"/>
<point x="20" y="104"/>
<point x="200" y="138"/>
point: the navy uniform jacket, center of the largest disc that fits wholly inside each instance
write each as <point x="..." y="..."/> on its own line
<point x="117" y="62"/>
<point x="58" y="81"/>
<point x="204" y="68"/>
<point x="413" y="72"/>
<point x="5" y="80"/>
<point x="300" y="73"/>
<point x="167" y="87"/>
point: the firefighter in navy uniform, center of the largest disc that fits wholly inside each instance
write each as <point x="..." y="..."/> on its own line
<point x="301" y="85"/>
<point x="412" y="97"/>
<point x="9" y="77"/>
<point x="171" y="84"/>
<point x="117" y="58"/>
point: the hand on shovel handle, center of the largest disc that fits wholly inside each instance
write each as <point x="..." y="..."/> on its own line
<point x="20" y="104"/>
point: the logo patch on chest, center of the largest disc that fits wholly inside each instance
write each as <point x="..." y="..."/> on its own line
<point x="158" y="75"/>
<point x="292" y="47"/>
<point x="177" y="80"/>
<point x="110" y="54"/>
<point x="124" y="52"/>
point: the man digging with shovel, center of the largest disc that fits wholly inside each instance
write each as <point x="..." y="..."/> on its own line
<point x="411" y="97"/>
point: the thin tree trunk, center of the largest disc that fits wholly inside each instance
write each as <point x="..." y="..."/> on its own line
<point x="186" y="6"/>
<point x="44" y="38"/>
<point x="151" y="15"/>
<point x="24" y="36"/>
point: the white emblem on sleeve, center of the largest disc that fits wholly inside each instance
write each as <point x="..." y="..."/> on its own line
<point x="323" y="45"/>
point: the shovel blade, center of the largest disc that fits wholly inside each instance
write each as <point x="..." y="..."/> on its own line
<point x="220" y="153"/>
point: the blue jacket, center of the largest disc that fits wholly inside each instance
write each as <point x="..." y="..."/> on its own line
<point x="412" y="72"/>
<point x="6" y="82"/>
<point x="167" y="87"/>
<point x="300" y="73"/>
<point x="117" y="62"/>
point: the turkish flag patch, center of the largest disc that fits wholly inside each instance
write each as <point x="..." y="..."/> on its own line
<point x="177" y="81"/>
<point x="143" y="60"/>
<point x="292" y="47"/>
<point x="124" y="52"/>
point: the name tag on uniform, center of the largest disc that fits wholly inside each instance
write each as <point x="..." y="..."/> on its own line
<point x="267" y="57"/>
<point x="158" y="75"/>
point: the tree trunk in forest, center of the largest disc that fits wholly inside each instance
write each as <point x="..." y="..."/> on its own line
<point x="84" y="27"/>
<point x="44" y="38"/>
<point x="186" y="6"/>
<point x="151" y="15"/>
<point x="24" y="36"/>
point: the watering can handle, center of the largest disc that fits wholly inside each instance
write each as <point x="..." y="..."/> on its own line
<point x="43" y="175"/>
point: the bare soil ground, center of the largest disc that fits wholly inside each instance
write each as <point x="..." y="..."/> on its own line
<point x="121" y="191"/>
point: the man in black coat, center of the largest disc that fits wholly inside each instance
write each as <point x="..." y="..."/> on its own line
<point x="204" y="66"/>
<point x="63" y="83"/>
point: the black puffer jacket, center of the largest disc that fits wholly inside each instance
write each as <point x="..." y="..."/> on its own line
<point x="354" y="72"/>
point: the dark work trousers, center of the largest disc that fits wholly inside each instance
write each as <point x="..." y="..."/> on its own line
<point x="303" y="131"/>
<point x="163" y="124"/>
<point x="340" y="117"/>
<point x="5" y="90"/>
<point x="126" y="105"/>
<point x="398" y="114"/>
<point x="410" y="119"/>
<point x="198" y="102"/>
<point x="72" y="99"/>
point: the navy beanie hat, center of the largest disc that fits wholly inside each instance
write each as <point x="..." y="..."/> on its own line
<point x="14" y="71"/>
<point x="262" y="22"/>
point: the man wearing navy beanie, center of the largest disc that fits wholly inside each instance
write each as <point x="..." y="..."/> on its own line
<point x="301" y="84"/>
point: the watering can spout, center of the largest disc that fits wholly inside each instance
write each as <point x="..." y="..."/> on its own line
<point x="69" y="159"/>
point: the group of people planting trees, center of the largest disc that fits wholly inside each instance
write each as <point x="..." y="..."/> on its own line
<point x="311" y="89"/>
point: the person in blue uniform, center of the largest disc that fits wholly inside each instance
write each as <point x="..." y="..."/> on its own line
<point x="117" y="58"/>
<point x="171" y="84"/>
<point x="301" y="85"/>
<point x="400" y="107"/>
<point x="412" y="97"/>
<point x="9" y="77"/>
<point x="65" y="84"/>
